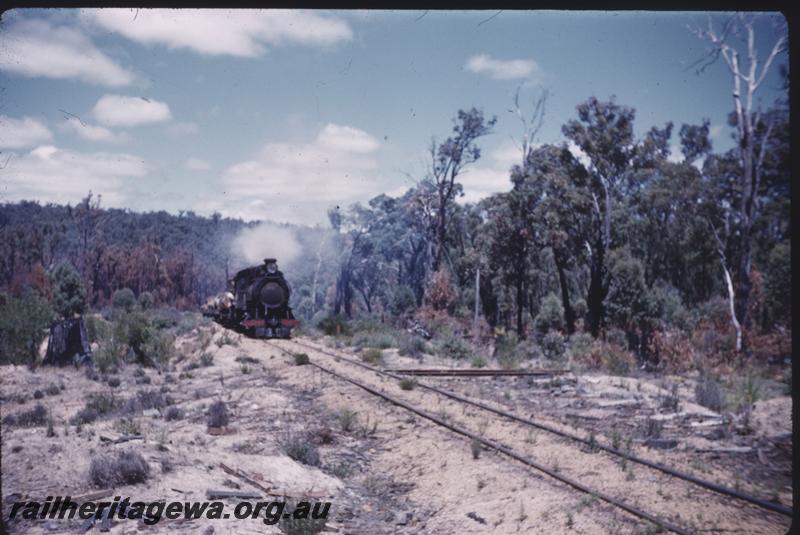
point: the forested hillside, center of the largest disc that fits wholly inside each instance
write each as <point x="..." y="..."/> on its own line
<point x="606" y="233"/>
<point x="613" y="237"/>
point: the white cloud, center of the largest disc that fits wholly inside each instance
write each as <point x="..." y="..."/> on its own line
<point x="36" y="48"/>
<point x="481" y="182"/>
<point x="491" y="175"/>
<point x="117" y="110"/>
<point x="675" y="155"/>
<point x="93" y="132"/>
<point x="196" y="164"/>
<point x="346" y="139"/>
<point x="298" y="182"/>
<point x="33" y="175"/>
<point x="506" y="155"/>
<point x="241" y="33"/>
<point x="714" y="131"/>
<point x="503" y="69"/>
<point x="20" y="133"/>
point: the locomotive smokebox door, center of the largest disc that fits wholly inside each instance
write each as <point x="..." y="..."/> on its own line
<point x="259" y="304"/>
<point x="272" y="295"/>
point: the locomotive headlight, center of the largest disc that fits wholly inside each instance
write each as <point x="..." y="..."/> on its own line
<point x="272" y="267"/>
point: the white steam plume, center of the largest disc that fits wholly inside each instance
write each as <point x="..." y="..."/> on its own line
<point x="266" y="240"/>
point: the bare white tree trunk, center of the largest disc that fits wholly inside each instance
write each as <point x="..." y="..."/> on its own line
<point x="748" y="74"/>
<point x="731" y="302"/>
<point x="729" y="285"/>
<point x="477" y="301"/>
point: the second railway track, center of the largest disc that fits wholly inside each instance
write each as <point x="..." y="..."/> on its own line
<point x="674" y="525"/>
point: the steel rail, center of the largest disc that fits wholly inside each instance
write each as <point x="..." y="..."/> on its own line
<point x="507" y="451"/>
<point x="457" y="372"/>
<point x="721" y="489"/>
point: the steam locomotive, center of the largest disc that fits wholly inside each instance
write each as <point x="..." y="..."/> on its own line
<point x="256" y="303"/>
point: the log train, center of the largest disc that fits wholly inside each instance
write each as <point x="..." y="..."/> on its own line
<point x="256" y="303"/>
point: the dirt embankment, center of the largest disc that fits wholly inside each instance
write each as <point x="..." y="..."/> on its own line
<point x="383" y="469"/>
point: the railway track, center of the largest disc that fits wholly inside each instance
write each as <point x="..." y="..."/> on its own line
<point x="721" y="489"/>
<point x="495" y="445"/>
<point x="461" y="372"/>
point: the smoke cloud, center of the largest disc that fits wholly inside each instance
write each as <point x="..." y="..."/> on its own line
<point x="266" y="240"/>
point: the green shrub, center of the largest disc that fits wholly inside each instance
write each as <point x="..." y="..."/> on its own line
<point x="146" y="300"/>
<point x="616" y="337"/>
<point x="630" y="304"/>
<point x="716" y="310"/>
<point x="301" y="449"/>
<point x="111" y="352"/>
<point x="146" y="400"/>
<point x="381" y="340"/>
<point x="96" y="405"/>
<point x="475" y="447"/>
<point x="23" y="328"/>
<point x="553" y="345"/>
<point x="550" y="316"/>
<point x="618" y="361"/>
<point x="708" y="393"/>
<point x="188" y="321"/>
<point x="218" y="414"/>
<point x="97" y="328"/>
<point x="778" y="280"/>
<point x="347" y="419"/>
<point x="447" y="343"/>
<point x="478" y="362"/>
<point x="372" y="355"/>
<point x="133" y="330"/>
<point x="159" y="348"/>
<point x="167" y="318"/>
<point x="508" y="351"/>
<point x="173" y="413"/>
<point x="407" y="384"/>
<point x="580" y="344"/>
<point x="301" y="359"/>
<point x="123" y="299"/>
<point x="403" y="300"/>
<point x="124" y="468"/>
<point x="206" y="360"/>
<point x="138" y="331"/>
<point x="748" y="390"/>
<point x="226" y="339"/>
<point x="411" y="345"/>
<point x="35" y="417"/>
<point x="669" y="304"/>
<point x="334" y="325"/>
<point x="69" y="295"/>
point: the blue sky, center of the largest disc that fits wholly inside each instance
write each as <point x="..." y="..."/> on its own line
<point x="281" y="114"/>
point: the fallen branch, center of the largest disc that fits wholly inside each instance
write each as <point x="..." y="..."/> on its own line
<point x="217" y="494"/>
<point x="729" y="449"/>
<point x="272" y="492"/>
<point x="120" y="440"/>
<point x="244" y="477"/>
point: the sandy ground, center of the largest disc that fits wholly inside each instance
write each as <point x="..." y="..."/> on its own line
<point x="649" y="489"/>
<point x="391" y="471"/>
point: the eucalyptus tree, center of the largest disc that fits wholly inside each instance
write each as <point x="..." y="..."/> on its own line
<point x="604" y="133"/>
<point x="561" y="208"/>
<point x="735" y="43"/>
<point x="447" y="160"/>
